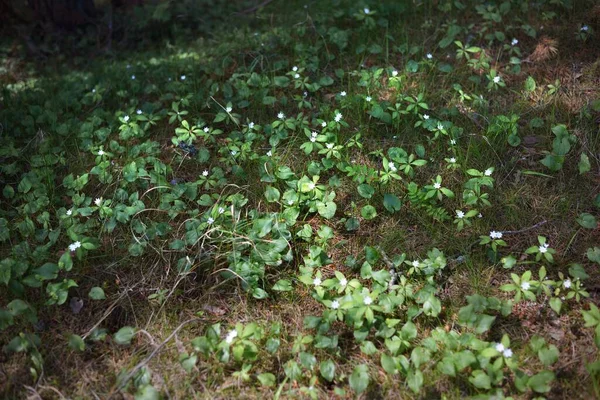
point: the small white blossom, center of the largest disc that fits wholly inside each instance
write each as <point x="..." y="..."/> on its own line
<point x="206" y="129"/>
<point x="317" y="281"/>
<point x="128" y="66"/>
<point x="233" y="152"/>
<point x="93" y="90"/>
<point x="139" y="112"/>
<point x="98" y="201"/>
<point x="425" y="116"/>
<point x="281" y="115"/>
<point x="69" y="212"/>
<point x="367" y="300"/>
<point x="182" y="77"/>
<point x="392" y="167"/>
<point x="312" y="139"/>
<point x="295" y="69"/>
<point x="415" y="263"/>
<point x="514" y="42"/>
<point x="567" y="283"/>
<point x="296" y="76"/>
<point x="74" y="246"/>
<point x="499" y="347"/>
<point x="452" y="142"/>
<point x="479" y="215"/>
<point x="343" y="93"/>
<point x="221" y="210"/>
<point x="453" y="160"/>
<point x="543" y="249"/>
<point x="488" y="172"/>
<point x="437" y="185"/>
<point x="335" y="304"/>
<point x="101" y="152"/>
<point x="366" y="10"/>
<point x="429" y="56"/>
<point x="343" y="282"/>
<point x="126" y="118"/>
<point x="338" y="117"/>
<point x="290" y="202"/>
<point x="460" y="214"/>
<point x="230" y="336"/>
<point x="313" y="134"/>
<point x="394" y="73"/>
<point x="585" y="28"/>
<point x="251" y="125"/>
<point x="440" y="126"/>
<point x="324" y="124"/>
<point x="311" y="186"/>
<point x="368" y="99"/>
<point x="329" y="145"/>
<point x="269" y="153"/>
<point x="210" y="220"/>
<point x="507" y="353"/>
<point x="228" y="109"/>
<point x="496" y="79"/>
<point x="495" y="235"/>
<point x="133" y="77"/>
<point x="525" y="285"/>
<point x="205" y="172"/>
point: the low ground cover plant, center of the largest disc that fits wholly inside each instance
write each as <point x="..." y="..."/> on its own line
<point x="386" y="199"/>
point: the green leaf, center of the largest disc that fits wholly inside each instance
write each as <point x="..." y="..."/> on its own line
<point x="124" y="335"/>
<point x="282" y="285"/>
<point x="540" y="383"/>
<point x="549" y="355"/>
<point x="593" y="254"/>
<point x="366" y="191"/>
<point x="414" y="380"/>
<point x="327" y="210"/>
<point x="147" y="392"/>
<point x="530" y="84"/>
<point x="352" y="224"/>
<point x="368" y="212"/>
<point x="391" y="202"/>
<point x="76" y="343"/>
<point x="327" y="369"/>
<point x="584" y="164"/>
<point x="272" y="194"/>
<point x="480" y="380"/>
<point x="587" y="221"/>
<point x="97" y="293"/>
<point x="388" y="364"/>
<point x="266" y="379"/>
<point x="555" y="304"/>
<point x="359" y="380"/>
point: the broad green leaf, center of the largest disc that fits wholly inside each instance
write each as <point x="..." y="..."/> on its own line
<point x="124" y="335"/>
<point x="587" y="221"/>
<point x="359" y="380"/>
<point x="391" y="202"/>
<point x="327" y="369"/>
<point x="368" y="212"/>
<point x="97" y="293"/>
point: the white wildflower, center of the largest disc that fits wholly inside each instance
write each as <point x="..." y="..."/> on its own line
<point x="366" y="10"/>
<point x="101" y="152"/>
<point x="230" y="336"/>
<point x="507" y="353"/>
<point x="437" y="185"/>
<point x="269" y="153"/>
<point x="98" y="201"/>
<point x="488" y="172"/>
<point x="460" y="214"/>
<point x="324" y="124"/>
<point x="210" y="220"/>
<point x="343" y="282"/>
<point x="394" y="73"/>
<point x="329" y="145"/>
<point x="425" y="116"/>
<point x="543" y="249"/>
<point x="281" y="115"/>
<point x="368" y="99"/>
<point x="335" y="304"/>
<point x="429" y="56"/>
<point x="229" y="109"/>
<point x="74" y="246"/>
<point x="251" y="125"/>
<point x="295" y="69"/>
<point x="69" y="212"/>
<point x="312" y="139"/>
<point x="139" y="112"/>
<point x="525" y="285"/>
<point x="585" y="28"/>
<point x="338" y="117"/>
<point x="317" y="281"/>
<point x="206" y="129"/>
<point x="126" y="118"/>
<point x="133" y="77"/>
<point x="415" y="263"/>
<point x="221" y="210"/>
<point x="392" y="167"/>
<point x="514" y="42"/>
<point x="496" y="79"/>
<point x="182" y="77"/>
<point x="567" y="283"/>
<point x="314" y="134"/>
<point x="499" y="347"/>
<point x="452" y="160"/>
<point x="343" y="93"/>
<point x="205" y="172"/>
<point x="367" y="300"/>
